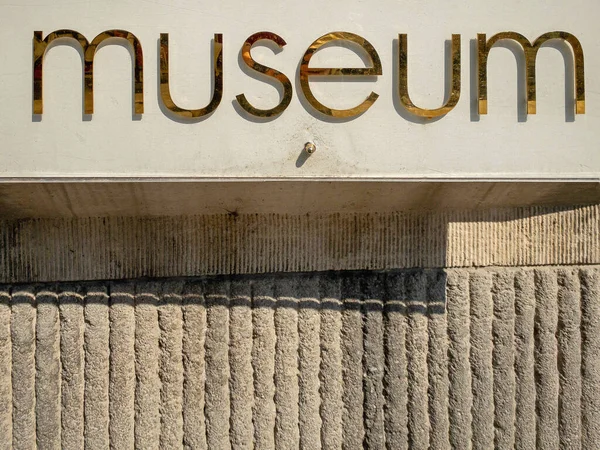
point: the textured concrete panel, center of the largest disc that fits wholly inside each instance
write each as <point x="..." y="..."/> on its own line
<point x="112" y="248"/>
<point x="454" y="358"/>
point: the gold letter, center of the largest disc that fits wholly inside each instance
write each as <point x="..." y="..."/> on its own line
<point x="403" y="80"/>
<point x="306" y="72"/>
<point x="287" y="85"/>
<point x="165" y="91"/>
<point x="531" y="50"/>
<point x="89" y="51"/>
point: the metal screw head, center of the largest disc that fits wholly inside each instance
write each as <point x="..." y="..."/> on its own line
<point x="310" y="148"/>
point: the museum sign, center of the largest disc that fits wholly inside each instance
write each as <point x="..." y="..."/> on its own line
<point x="250" y="91"/>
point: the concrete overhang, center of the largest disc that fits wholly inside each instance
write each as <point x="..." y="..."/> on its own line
<point x="151" y="197"/>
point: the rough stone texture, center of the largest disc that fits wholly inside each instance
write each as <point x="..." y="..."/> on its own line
<point x="352" y="372"/>
<point x="217" y="397"/>
<point x="72" y="362"/>
<point x="525" y="386"/>
<point x="48" y="372"/>
<point x="437" y="358"/>
<point x="286" y="366"/>
<point x="569" y="358"/>
<point x="416" y="352"/>
<point x="122" y="376"/>
<point x="460" y="396"/>
<point x="503" y="326"/>
<point x="482" y="375"/>
<point x="263" y="363"/>
<point x="546" y="358"/>
<point x="171" y="366"/>
<point x="6" y="400"/>
<point x="332" y="383"/>
<point x="395" y="378"/>
<point x="114" y="248"/>
<point x="97" y="359"/>
<point x="147" y="389"/>
<point x="590" y="359"/>
<point x="240" y="365"/>
<point x="194" y="366"/>
<point x="23" y="330"/>
<point x="309" y="357"/>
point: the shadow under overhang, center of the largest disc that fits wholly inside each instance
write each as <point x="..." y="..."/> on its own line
<point x="20" y="199"/>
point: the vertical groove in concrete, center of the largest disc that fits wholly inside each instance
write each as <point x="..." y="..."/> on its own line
<point x="373" y="361"/>
<point x="503" y="358"/>
<point x="48" y="371"/>
<point x="525" y="395"/>
<point x="286" y="365"/>
<point x="547" y="384"/>
<point x="352" y="342"/>
<point x="171" y="365"/>
<point x="332" y="404"/>
<point x="416" y="350"/>
<point x="217" y="403"/>
<point x="147" y="388"/>
<point x="437" y="360"/>
<point x="73" y="366"/>
<point x="23" y="326"/>
<point x="194" y="334"/>
<point x="122" y="366"/>
<point x="309" y="326"/>
<point x="482" y="384"/>
<point x="395" y="380"/>
<point x="569" y="358"/>
<point x="590" y="356"/>
<point x="459" y="369"/>
<point x="240" y="364"/>
<point x="263" y="362"/>
<point x="6" y="400"/>
<point x="96" y="346"/>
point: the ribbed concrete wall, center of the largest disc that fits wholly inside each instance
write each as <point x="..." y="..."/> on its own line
<point x="457" y="358"/>
<point x="111" y="248"/>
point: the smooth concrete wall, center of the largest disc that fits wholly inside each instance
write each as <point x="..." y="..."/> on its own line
<point x="21" y="199"/>
<point x="440" y="358"/>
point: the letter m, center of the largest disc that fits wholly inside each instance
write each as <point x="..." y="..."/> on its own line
<point x="89" y="51"/>
<point x="531" y="50"/>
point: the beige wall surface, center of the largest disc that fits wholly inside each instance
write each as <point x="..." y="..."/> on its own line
<point x="384" y="142"/>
